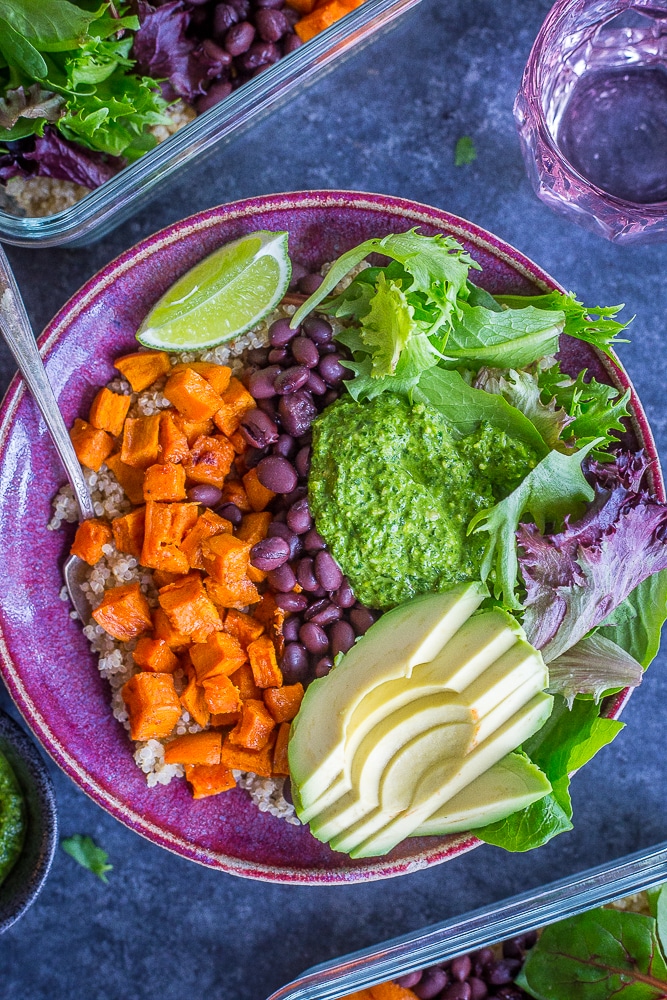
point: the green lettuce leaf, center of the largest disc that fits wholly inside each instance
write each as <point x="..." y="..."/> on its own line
<point x="636" y="624"/>
<point x="387" y="327"/>
<point x="595" y="665"/>
<point x="596" y="956"/>
<point x="513" y="338"/>
<point x="51" y="25"/>
<point x="29" y="105"/>
<point x="661" y="916"/>
<point x="522" y="391"/>
<point x="19" y="52"/>
<point x="554" y="488"/>
<point x="596" y="409"/>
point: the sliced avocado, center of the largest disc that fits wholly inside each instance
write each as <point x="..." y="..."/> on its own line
<point x="406" y="636"/>
<point x="476" y="645"/>
<point x="510" y="785"/>
<point x="436" y="785"/>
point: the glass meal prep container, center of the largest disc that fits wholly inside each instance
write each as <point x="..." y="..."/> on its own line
<point x="481" y="928"/>
<point x="114" y="201"/>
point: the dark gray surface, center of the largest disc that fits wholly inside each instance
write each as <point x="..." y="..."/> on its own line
<point x="386" y="121"/>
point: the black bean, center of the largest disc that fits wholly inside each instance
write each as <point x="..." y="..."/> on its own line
<point x="315" y="384"/>
<point x="299" y="518"/>
<point x="499" y="973"/>
<point x="277" y="355"/>
<point x="342" y="637"/>
<point x="214" y="52"/>
<point x="260" y="383"/>
<point x="224" y="16"/>
<point x="327" y="571"/>
<point x="239" y="38"/>
<point x="315" y="608"/>
<point x="280" y="530"/>
<point x="461" y="968"/>
<point x="215" y="93"/>
<point x="291" y="628"/>
<point x="318" y="330"/>
<point x="287" y="791"/>
<point x="323" y="666"/>
<point x="281" y="333"/>
<point x="283" y="580"/>
<point x="298" y="270"/>
<point x="291" y="379"/>
<point x="513" y="948"/>
<point x="291" y="42"/>
<point x="258" y="356"/>
<point x="258" y="429"/>
<point x="331" y="369"/>
<point x="409" y="980"/>
<point x="361" y="619"/>
<point x="298" y="494"/>
<point x="310" y="283"/>
<point x="231" y="513"/>
<point x="482" y="957"/>
<point x="297" y="412"/>
<point x="326" y="614"/>
<point x="432" y="982"/>
<point x="313" y="542"/>
<point x="277" y="474"/>
<point x="293" y="16"/>
<point x="259" y="54"/>
<point x="253" y="456"/>
<point x="305" y="352"/>
<point x="294" y="663"/>
<point x="241" y="6"/>
<point x="305" y="574"/>
<point x="285" y="446"/>
<point x="302" y="461"/>
<point x="327" y="349"/>
<point x="329" y="398"/>
<point x="314" y="638"/>
<point x="208" y="495"/>
<point x="478" y="988"/>
<point x="269" y="553"/>
<point x="271" y="24"/>
<point x="268" y="406"/>
<point x="529" y="939"/>
<point x="344" y="596"/>
<point x="270" y="4"/>
<point x="292" y="602"/>
<point x="457" y="991"/>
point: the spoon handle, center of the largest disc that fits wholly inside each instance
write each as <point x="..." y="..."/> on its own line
<point x="17" y="331"/>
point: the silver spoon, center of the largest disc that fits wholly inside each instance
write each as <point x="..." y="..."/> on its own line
<point x="17" y="331"/>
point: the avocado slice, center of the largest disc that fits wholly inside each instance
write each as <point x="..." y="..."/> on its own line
<point x="510" y="785"/>
<point x="406" y="636"/>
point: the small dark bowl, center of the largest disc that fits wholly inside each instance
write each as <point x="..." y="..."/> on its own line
<point x="26" y="878"/>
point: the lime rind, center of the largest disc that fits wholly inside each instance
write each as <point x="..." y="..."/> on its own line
<point x="221" y="297"/>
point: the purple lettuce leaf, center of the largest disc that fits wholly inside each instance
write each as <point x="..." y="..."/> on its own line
<point x="164" y="51"/>
<point x="50" y="155"/>
<point x="576" y="577"/>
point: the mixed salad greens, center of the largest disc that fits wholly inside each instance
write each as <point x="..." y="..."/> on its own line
<point x="576" y="551"/>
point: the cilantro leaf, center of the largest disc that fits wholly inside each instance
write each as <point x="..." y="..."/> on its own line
<point x="596" y="956"/>
<point x="635" y="625"/>
<point x="86" y="853"/>
<point x="552" y="490"/>
<point x="465" y="151"/>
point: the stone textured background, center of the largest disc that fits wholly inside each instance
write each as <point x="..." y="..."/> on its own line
<point x="387" y="120"/>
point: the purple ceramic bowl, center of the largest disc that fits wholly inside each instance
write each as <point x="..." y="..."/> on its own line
<point x="46" y="662"/>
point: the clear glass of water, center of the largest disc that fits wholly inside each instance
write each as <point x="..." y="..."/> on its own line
<point x="592" y="116"/>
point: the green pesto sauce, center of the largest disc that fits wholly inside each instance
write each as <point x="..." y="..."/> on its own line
<point x="393" y="492"/>
<point x="12" y="818"/>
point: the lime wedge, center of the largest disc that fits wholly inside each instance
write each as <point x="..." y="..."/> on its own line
<point x="224" y="295"/>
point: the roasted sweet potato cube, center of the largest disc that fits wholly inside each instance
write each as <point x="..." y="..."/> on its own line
<point x="194" y="748"/>
<point x="268" y="612"/>
<point x="194" y="428"/>
<point x="108" y="411"/>
<point x="130" y="479"/>
<point x="391" y="991"/>
<point x="226" y="558"/>
<point x="165" y="483"/>
<point x="284" y="702"/>
<point x="220" y="694"/>
<point x="124" y="612"/>
<point x="239" y="758"/>
<point x="141" y="441"/>
<point x="223" y="719"/>
<point x="152" y="705"/>
<point x="253" y="527"/>
<point x="166" y="525"/>
<point x="92" y="446"/>
<point x="128" y="531"/>
<point x="162" y="629"/>
<point x="209" y="779"/>
<point x="243" y="679"/>
<point x="265" y="669"/>
<point x="192" y="395"/>
<point x="91" y="536"/>
<point x="208" y="524"/>
<point x="254" y="727"/>
<point x="172" y="438"/>
<point x="194" y="702"/>
<point x="236" y="401"/>
<point x="143" y="368"/>
<point x="243" y="627"/>
<point x="258" y="496"/>
<point x="155" y="655"/>
<point x="189" y="609"/>
<point x="234" y="492"/>
<point x="238" y="442"/>
<point x="161" y="577"/>
<point x="323" y="17"/>
<point x="280" y="764"/>
<point x="217" y="376"/>
<point x="220" y="654"/>
<point x="210" y="460"/>
<point x="238" y="596"/>
<point x="302" y="6"/>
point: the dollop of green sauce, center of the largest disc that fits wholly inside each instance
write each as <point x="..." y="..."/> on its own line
<point x="12" y="818"/>
<point x="392" y="493"/>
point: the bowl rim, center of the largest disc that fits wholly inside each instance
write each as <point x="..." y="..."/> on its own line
<point x="26" y="749"/>
<point x="415" y="213"/>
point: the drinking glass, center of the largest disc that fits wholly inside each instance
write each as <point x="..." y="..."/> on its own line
<point x="592" y="116"/>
